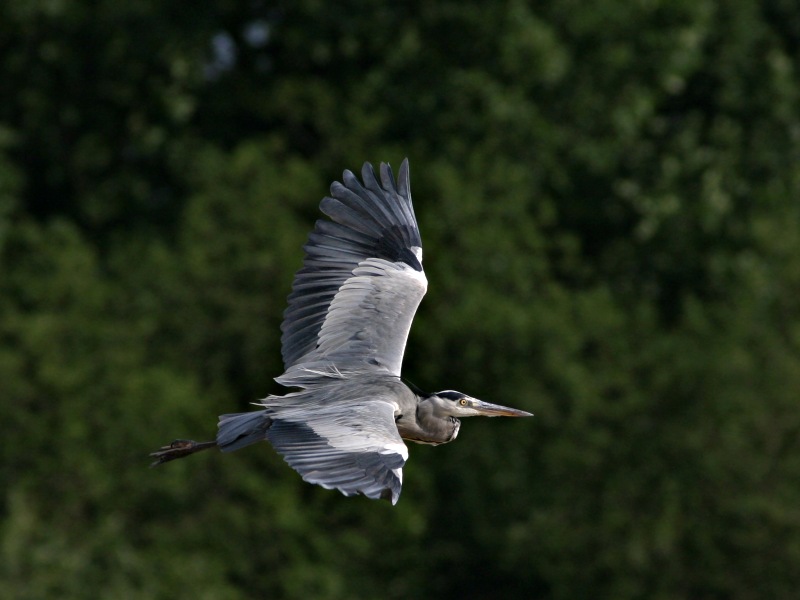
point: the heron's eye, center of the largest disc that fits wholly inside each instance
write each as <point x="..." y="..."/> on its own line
<point x="463" y="402"/>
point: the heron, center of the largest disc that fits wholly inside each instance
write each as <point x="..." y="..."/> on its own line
<point x="343" y="422"/>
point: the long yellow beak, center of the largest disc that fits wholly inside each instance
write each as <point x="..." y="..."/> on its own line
<point x="486" y="409"/>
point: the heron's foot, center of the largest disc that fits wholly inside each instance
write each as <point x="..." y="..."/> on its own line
<point x="179" y="449"/>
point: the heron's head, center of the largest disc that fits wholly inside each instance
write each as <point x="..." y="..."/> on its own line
<point x="455" y="404"/>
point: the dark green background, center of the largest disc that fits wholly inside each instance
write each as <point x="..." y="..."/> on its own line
<point x="609" y="196"/>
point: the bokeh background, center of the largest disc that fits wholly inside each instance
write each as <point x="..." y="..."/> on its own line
<point x="609" y="196"/>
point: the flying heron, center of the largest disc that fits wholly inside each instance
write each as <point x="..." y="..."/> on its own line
<point x="344" y="334"/>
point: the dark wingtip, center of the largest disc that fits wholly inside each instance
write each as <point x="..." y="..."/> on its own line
<point x="404" y="179"/>
<point x="387" y="177"/>
<point x="368" y="175"/>
<point x="401" y="185"/>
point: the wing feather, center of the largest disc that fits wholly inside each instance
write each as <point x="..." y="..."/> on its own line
<point x="353" y="302"/>
<point x="338" y="440"/>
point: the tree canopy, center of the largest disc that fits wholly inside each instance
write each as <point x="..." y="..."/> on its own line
<point x="609" y="198"/>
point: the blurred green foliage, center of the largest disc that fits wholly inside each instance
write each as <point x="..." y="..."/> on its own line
<point x="609" y="195"/>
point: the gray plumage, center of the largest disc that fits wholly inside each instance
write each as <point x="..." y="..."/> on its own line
<point x="353" y="301"/>
<point x="344" y="335"/>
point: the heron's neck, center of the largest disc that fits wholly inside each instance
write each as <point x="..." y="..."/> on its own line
<point x="425" y="427"/>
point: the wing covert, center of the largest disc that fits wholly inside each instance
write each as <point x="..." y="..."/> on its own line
<point x="352" y="445"/>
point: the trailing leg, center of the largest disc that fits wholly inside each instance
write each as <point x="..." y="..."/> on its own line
<point x="179" y="449"/>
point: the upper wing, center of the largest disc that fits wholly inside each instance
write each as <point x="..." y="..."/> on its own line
<point x="351" y="444"/>
<point x="353" y="301"/>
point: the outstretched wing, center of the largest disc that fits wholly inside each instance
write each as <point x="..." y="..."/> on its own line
<point x="353" y="302"/>
<point x="350" y="444"/>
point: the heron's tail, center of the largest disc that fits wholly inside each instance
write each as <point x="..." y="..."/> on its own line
<point x="238" y="430"/>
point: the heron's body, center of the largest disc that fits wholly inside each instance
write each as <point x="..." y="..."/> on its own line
<point x="344" y="335"/>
